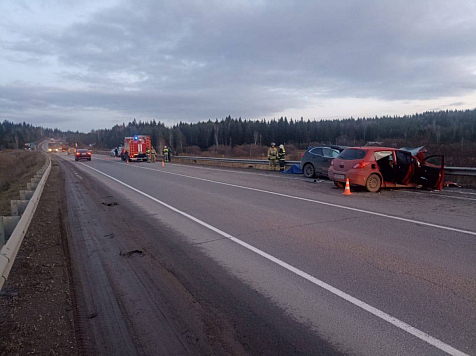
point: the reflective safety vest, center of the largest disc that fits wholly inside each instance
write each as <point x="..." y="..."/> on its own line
<point x="272" y="153"/>
<point x="281" y="154"/>
<point x="166" y="150"/>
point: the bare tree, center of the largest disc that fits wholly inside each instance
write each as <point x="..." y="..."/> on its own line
<point x="256" y="137"/>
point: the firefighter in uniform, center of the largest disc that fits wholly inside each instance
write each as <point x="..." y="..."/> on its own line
<point x="153" y="155"/>
<point x="166" y="154"/>
<point x="282" y="157"/>
<point x="148" y="153"/>
<point x="272" y="156"/>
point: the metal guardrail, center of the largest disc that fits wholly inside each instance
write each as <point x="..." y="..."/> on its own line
<point x="454" y="171"/>
<point x="13" y="228"/>
<point x="232" y="160"/>
<point x="461" y="171"/>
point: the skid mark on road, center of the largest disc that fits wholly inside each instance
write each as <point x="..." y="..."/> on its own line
<point x="417" y="222"/>
<point x="337" y="292"/>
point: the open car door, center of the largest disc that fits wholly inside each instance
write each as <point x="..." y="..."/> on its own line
<point x="432" y="172"/>
<point x="404" y="167"/>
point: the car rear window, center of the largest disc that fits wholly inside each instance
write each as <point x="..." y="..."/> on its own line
<point x="82" y="150"/>
<point x="352" y="154"/>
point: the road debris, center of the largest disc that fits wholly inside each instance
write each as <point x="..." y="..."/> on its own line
<point x="130" y="253"/>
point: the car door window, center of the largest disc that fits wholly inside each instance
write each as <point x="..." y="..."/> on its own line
<point x="316" y="151"/>
<point x="330" y="153"/>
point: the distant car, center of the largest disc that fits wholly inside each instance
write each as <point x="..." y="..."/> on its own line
<point x="383" y="167"/>
<point x="71" y="151"/>
<point x="82" y="153"/>
<point x="317" y="159"/>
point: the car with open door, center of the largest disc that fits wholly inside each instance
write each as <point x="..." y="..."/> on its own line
<point x="383" y="167"/>
<point x="317" y="159"/>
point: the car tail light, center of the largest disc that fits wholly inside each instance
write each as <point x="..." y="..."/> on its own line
<point x="89" y="153"/>
<point x="361" y="164"/>
<point x="302" y="154"/>
<point x="77" y="153"/>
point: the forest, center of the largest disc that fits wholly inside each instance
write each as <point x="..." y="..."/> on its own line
<point x="441" y="127"/>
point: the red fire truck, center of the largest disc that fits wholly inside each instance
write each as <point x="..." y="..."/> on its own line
<point x="136" y="147"/>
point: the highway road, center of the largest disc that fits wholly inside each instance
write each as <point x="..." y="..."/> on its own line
<point x="245" y="262"/>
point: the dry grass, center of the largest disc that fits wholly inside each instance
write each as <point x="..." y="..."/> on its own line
<point x="16" y="169"/>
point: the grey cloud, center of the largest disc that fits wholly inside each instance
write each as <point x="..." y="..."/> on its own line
<point x="185" y="60"/>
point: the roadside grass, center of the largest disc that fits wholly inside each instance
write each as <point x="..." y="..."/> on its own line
<point x="17" y="167"/>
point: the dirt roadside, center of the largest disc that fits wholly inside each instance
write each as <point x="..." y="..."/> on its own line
<point x="36" y="305"/>
<point x="17" y="168"/>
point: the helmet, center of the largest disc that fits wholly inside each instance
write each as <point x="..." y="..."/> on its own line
<point x="273" y="144"/>
<point x="165" y="146"/>
<point x="281" y="146"/>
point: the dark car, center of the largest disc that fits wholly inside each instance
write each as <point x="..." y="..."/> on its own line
<point x="82" y="153"/>
<point x="317" y="159"/>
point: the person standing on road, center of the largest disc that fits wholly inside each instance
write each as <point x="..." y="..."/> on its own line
<point x="170" y="154"/>
<point x="166" y="154"/>
<point x="116" y="152"/>
<point x="147" y="152"/>
<point x="153" y="155"/>
<point x="272" y="156"/>
<point x="281" y="157"/>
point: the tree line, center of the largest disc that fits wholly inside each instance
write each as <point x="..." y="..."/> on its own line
<point x="443" y="127"/>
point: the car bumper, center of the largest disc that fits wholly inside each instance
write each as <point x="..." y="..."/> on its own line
<point x="354" y="177"/>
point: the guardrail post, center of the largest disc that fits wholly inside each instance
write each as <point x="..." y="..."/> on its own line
<point x="31" y="186"/>
<point x="18" y="207"/>
<point x="7" y="225"/>
<point x="26" y="194"/>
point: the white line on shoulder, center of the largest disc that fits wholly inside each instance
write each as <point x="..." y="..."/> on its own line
<point x="357" y="302"/>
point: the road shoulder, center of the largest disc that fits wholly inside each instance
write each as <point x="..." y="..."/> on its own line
<point x="36" y="304"/>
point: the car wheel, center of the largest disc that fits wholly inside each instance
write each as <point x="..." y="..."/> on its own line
<point x="373" y="183"/>
<point x="76" y="160"/>
<point x="308" y="170"/>
<point x="339" y="184"/>
<point x="89" y="159"/>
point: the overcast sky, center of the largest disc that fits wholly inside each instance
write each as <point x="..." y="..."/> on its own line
<point x="88" y="64"/>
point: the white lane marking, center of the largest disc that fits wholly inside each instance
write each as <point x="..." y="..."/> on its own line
<point x="357" y="302"/>
<point x="318" y="202"/>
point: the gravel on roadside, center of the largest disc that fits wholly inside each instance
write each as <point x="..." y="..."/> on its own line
<point x="36" y="302"/>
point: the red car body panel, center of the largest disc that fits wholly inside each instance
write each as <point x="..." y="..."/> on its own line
<point x="395" y="167"/>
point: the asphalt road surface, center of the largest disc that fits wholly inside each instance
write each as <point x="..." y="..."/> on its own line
<point x="191" y="260"/>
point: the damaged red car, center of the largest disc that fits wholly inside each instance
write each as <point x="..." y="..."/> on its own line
<point x="383" y="167"/>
